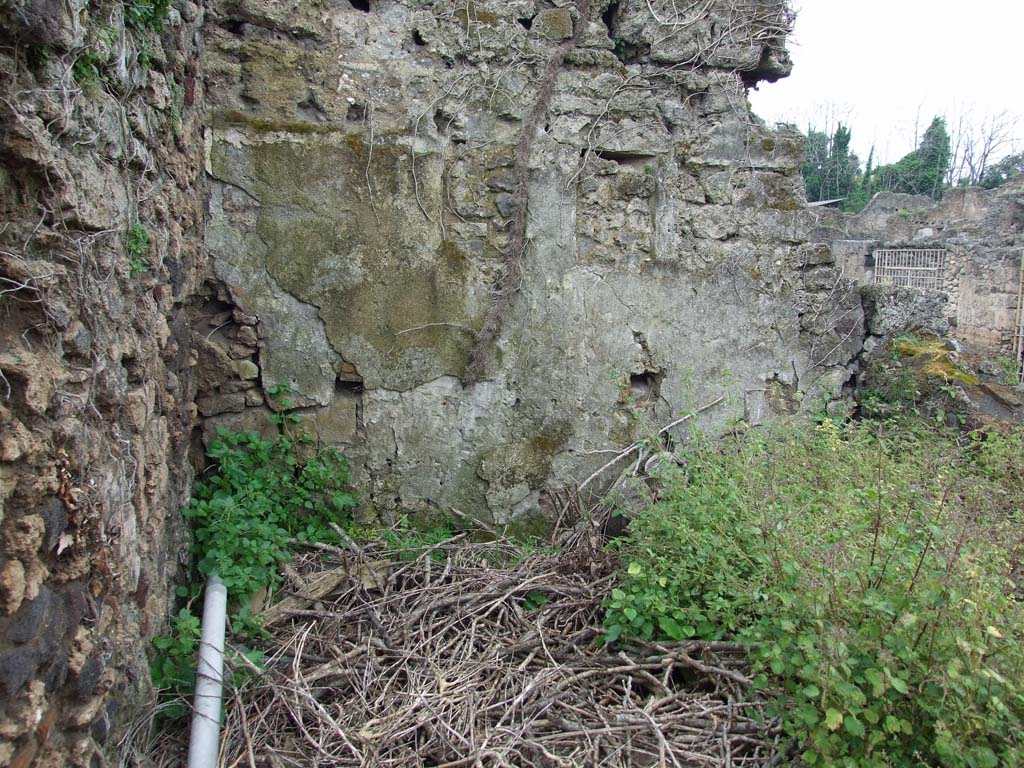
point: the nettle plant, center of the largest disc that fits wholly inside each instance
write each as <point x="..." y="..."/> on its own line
<point x="260" y="494"/>
<point x="869" y="569"/>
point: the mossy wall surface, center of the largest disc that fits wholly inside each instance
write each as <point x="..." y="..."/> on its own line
<point x="367" y="169"/>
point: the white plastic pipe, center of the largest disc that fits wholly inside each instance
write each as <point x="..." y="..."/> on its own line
<point x="204" y="741"/>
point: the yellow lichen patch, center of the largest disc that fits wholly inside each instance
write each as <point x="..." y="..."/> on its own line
<point x="929" y="356"/>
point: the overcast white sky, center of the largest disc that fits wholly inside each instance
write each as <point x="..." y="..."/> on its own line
<point x="876" y="64"/>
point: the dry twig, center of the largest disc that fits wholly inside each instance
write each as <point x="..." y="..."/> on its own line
<point x="469" y="655"/>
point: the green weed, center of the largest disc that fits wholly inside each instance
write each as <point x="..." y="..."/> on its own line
<point x="146" y="14"/>
<point x="87" y="72"/>
<point x="174" y="667"/>
<point x="260" y="494"/>
<point x="37" y="56"/>
<point x="869" y="568"/>
<point x="137" y="246"/>
<point x="412" y="539"/>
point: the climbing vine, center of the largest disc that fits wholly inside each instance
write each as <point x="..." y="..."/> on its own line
<point x="508" y="279"/>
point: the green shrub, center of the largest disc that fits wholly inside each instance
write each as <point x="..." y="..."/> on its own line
<point x="260" y="494"/>
<point x="867" y="568"/>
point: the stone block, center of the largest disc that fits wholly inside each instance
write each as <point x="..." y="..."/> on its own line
<point x="103" y="724"/>
<point x="15" y="440"/>
<point x="211" y="405"/>
<point x="16" y="668"/>
<point x="31" y="618"/>
<point x="55" y="520"/>
<point x="138" y="407"/>
<point x="337" y="423"/>
<point x="892" y="311"/>
<point x="247" y="335"/>
<point x="12" y="585"/>
<point x="213" y="366"/>
<point x="23" y="537"/>
<point x="553" y="23"/>
<point x="90" y="675"/>
<point x="506" y="204"/>
<point x="814" y="254"/>
<point x="247" y="370"/>
<point x="250" y="420"/>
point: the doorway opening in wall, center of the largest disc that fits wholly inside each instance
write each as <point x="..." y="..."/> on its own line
<point x="1018" y="325"/>
<point x="911" y="268"/>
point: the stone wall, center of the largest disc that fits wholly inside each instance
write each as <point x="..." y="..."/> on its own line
<point x="100" y="247"/>
<point x="487" y="243"/>
<point x="983" y="232"/>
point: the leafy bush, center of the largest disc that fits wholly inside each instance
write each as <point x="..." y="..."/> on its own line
<point x="260" y="494"/>
<point x="869" y="570"/>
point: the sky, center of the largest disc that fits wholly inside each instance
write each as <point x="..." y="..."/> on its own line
<point x="879" y="66"/>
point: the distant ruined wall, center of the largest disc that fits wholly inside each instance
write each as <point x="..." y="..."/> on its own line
<point x="489" y="242"/>
<point x="983" y="231"/>
<point x="99" y="133"/>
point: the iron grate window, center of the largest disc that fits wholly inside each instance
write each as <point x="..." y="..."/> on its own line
<point x="911" y="268"/>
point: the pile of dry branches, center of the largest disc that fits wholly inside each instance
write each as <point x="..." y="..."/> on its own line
<point x="469" y="654"/>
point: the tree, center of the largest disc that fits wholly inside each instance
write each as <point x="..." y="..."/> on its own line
<point x="923" y="171"/>
<point x="976" y="145"/>
<point x="830" y="169"/>
<point x="861" y="192"/>
<point x="1002" y="171"/>
<point x="815" y="168"/>
<point x="938" y="161"/>
<point x="933" y="159"/>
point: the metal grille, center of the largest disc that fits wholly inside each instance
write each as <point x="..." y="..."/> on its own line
<point x="911" y="268"/>
<point x="1018" y="326"/>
